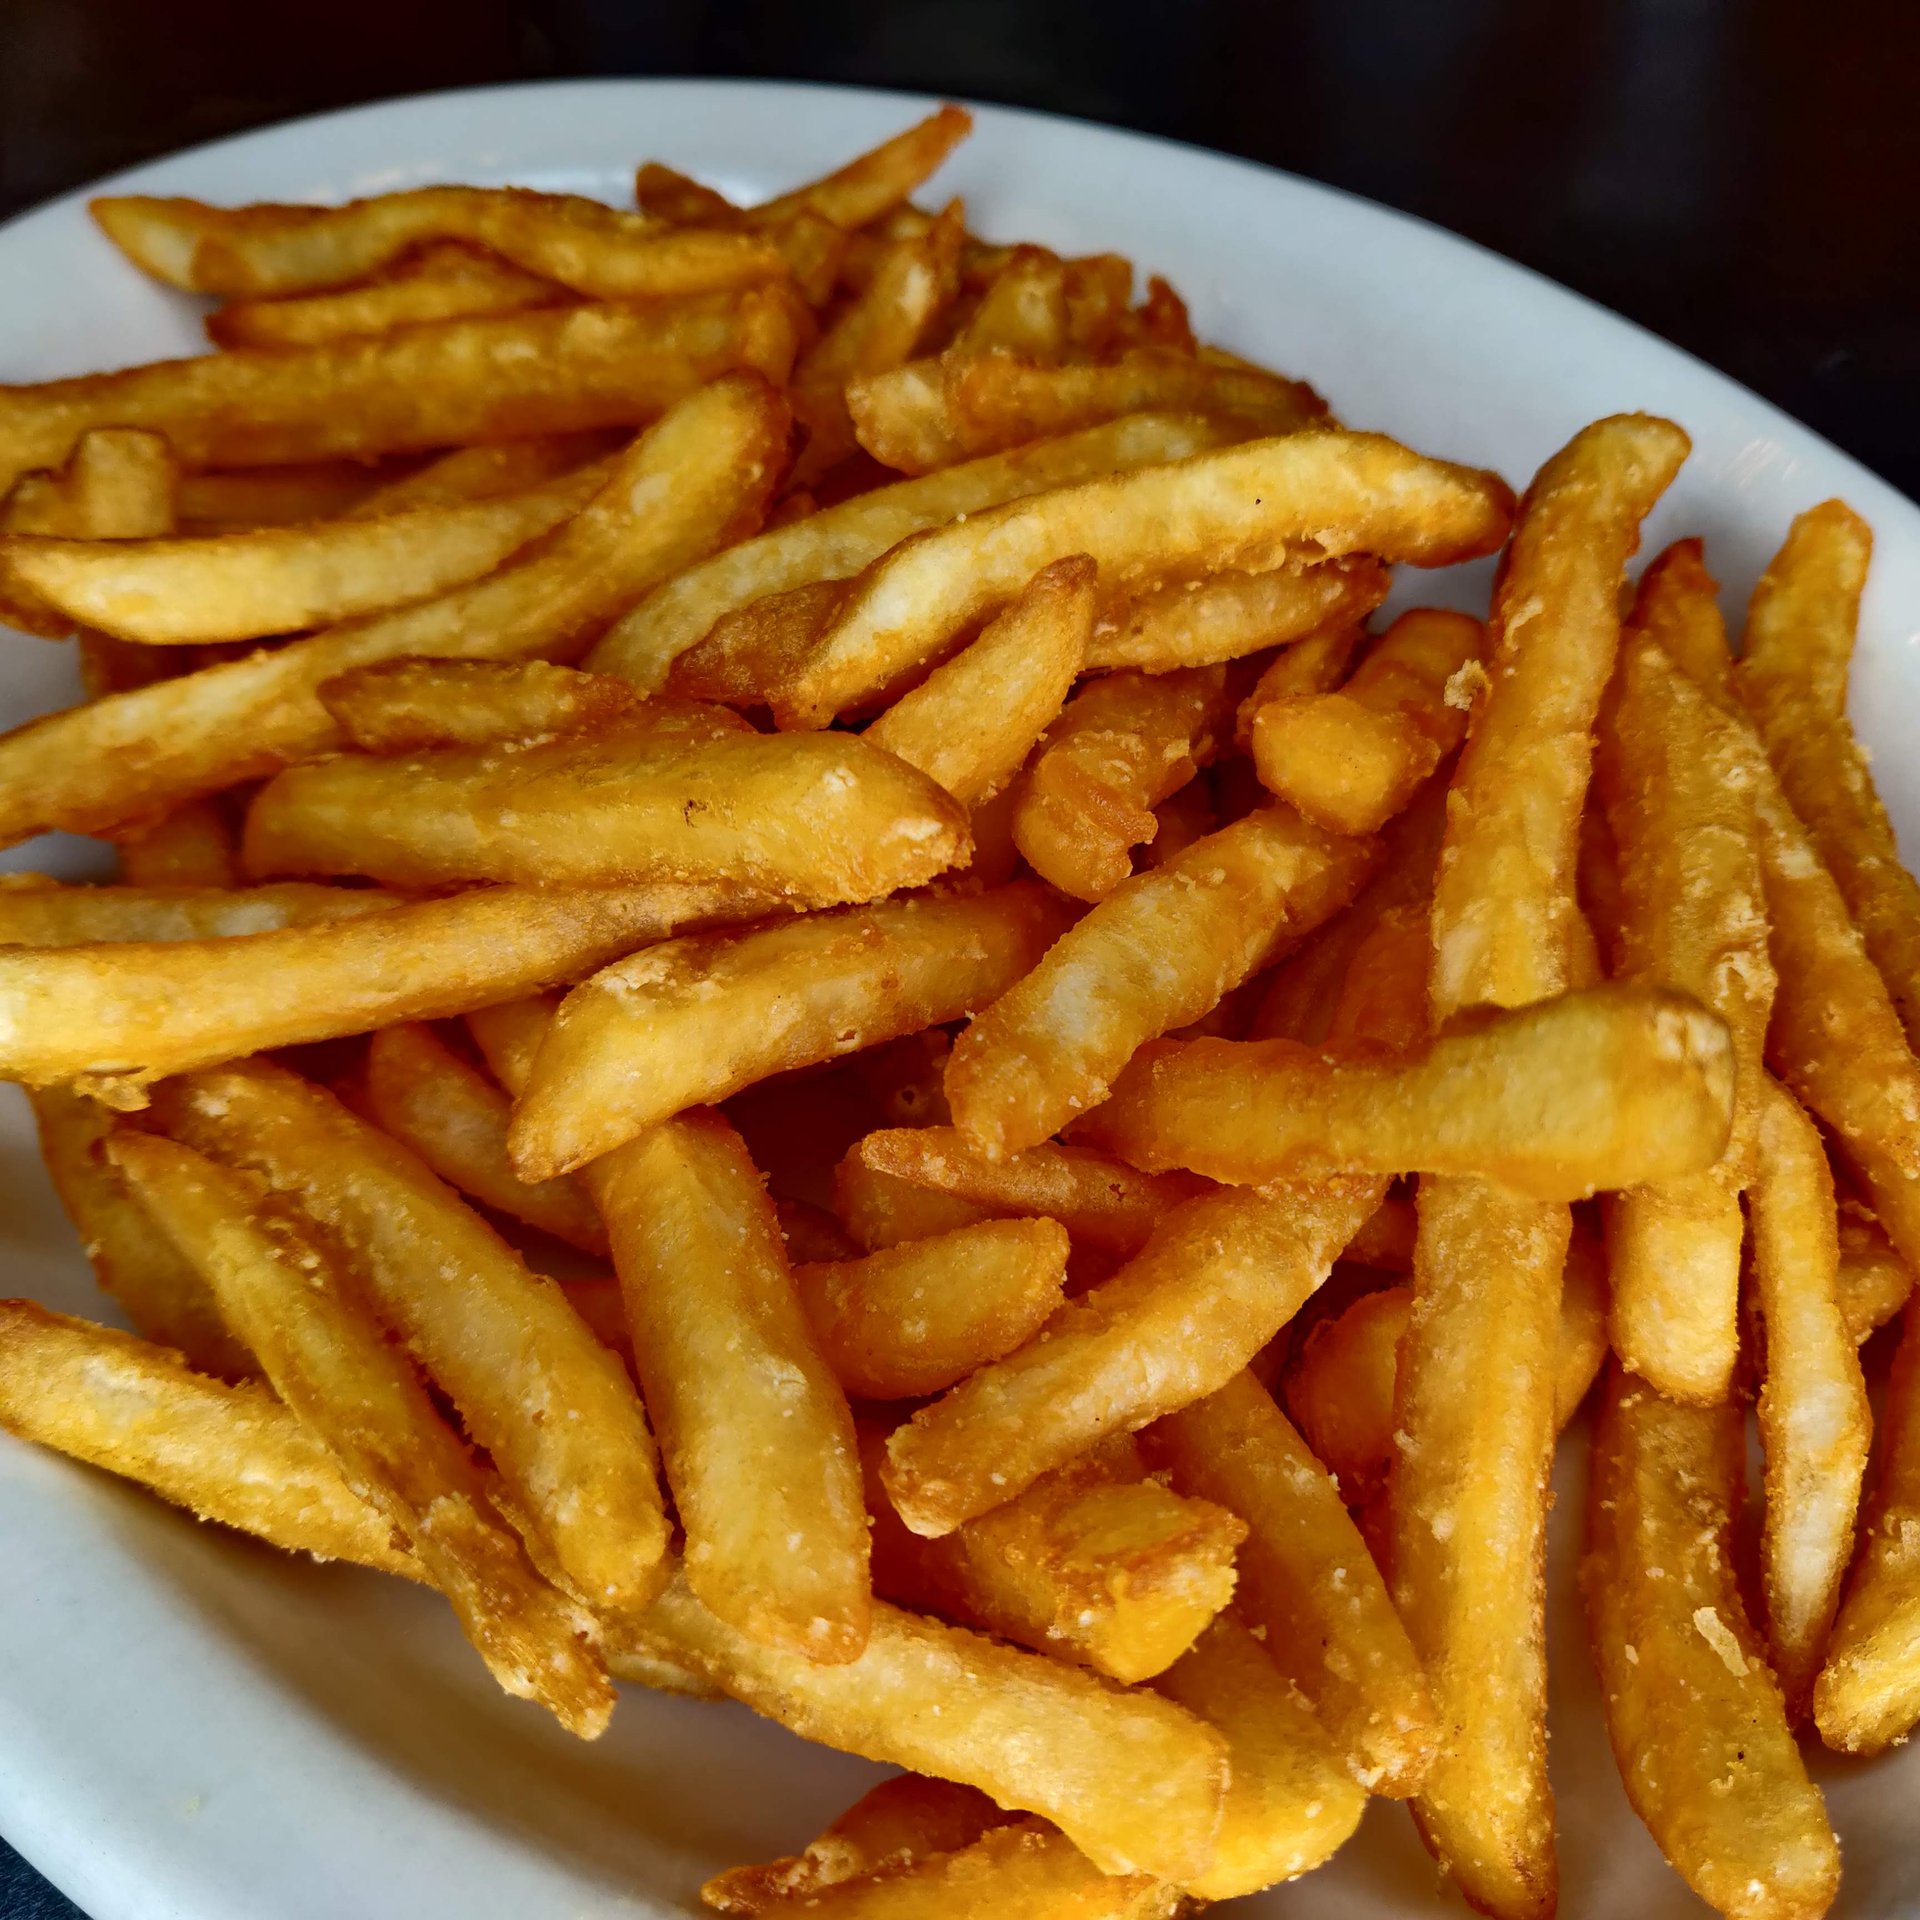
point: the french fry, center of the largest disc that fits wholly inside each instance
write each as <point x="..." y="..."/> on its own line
<point x="876" y="182"/>
<point x="1158" y="952"/>
<point x="1385" y="1239"/>
<point x="697" y="480"/>
<point x="483" y="472"/>
<point x="1245" y="507"/>
<point x="547" y="371"/>
<point x="1316" y="664"/>
<point x="233" y="1454"/>
<point x="1678" y="606"/>
<point x="1349" y="761"/>
<point x="1135" y="1782"/>
<point x="1197" y="623"/>
<point x="693" y="1021"/>
<point x="1797" y="649"/>
<point x="1307" y="1581"/>
<point x="1873" y="1282"/>
<point x="1121" y="745"/>
<point x="670" y="195"/>
<point x="298" y="1307"/>
<point x="1696" y="1721"/>
<point x="420" y="1091"/>
<point x="754" y="1431"/>
<point x="508" y="1035"/>
<point x="157" y="1290"/>
<point x="972" y="722"/>
<point x="500" y="1342"/>
<point x="127" y="1013"/>
<point x="1216" y="1280"/>
<point x="1814" y="1420"/>
<point x="38" y="912"/>
<point x="239" y="586"/>
<point x="245" y="498"/>
<point x="911" y="1320"/>
<point x="1023" y="310"/>
<point x="190" y="845"/>
<point x="881" y="1210"/>
<point x="1616" y="1086"/>
<point x="403" y="706"/>
<point x="752" y="650"/>
<point x="838" y="541"/>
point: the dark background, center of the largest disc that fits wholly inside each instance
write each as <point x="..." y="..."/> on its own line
<point x="1742" y="176"/>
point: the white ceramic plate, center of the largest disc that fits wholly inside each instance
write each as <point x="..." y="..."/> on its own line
<point x="190" y="1726"/>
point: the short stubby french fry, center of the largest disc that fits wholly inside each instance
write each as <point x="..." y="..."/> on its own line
<point x="550" y="371"/>
<point x="972" y="722"/>
<point x="690" y="1022"/>
<point x="1217" y="1279"/>
<point x="501" y="1342"/>
<point x="423" y="1093"/>
<point x="1350" y="760"/>
<point x="240" y="586"/>
<point x="1121" y="745"/>
<point x="1873" y="1282"/>
<point x="579" y="243"/>
<point x="228" y="1453"/>
<point x="129" y="1012"/>
<point x="1291" y="1804"/>
<point x="754" y="1431"/>
<point x="1196" y="623"/>
<point x="1815" y="1424"/>
<point x="1868" y="1694"/>
<point x="1155" y="954"/>
<point x="1611" y="1087"/>
<point x="1096" y="1564"/>
<point x="35" y="912"/>
<point x="814" y="820"/>
<point x="299" y="1308"/>
<point x="828" y="546"/>
<point x="876" y="182"/>
<point x="1307" y="1580"/>
<point x="1132" y="1780"/>
<point x="1697" y="1724"/>
<point x="911" y="1320"/>
<point x="1691" y="915"/>
<point x="159" y="1291"/>
<point x="697" y="480"/>
<point x="1098" y="1199"/>
<point x="401" y="706"/>
<point x="1320" y="495"/>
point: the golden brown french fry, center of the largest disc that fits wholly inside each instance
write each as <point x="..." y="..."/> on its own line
<point x="1217" y="1279"/>
<point x="1873" y="1282"/>
<point x="697" y="480"/>
<point x="827" y="546"/>
<point x="972" y="722"/>
<point x="300" y="1309"/>
<point x="693" y="1021"/>
<point x="239" y="586"/>
<point x="668" y="194"/>
<point x="1351" y="760"/>
<point x="401" y="706"/>
<point x="1247" y="507"/>
<point x="244" y="498"/>
<point x="1814" y="1420"/>
<point x="911" y="1320"/>
<point x="1132" y="1780"/>
<point x="502" y="1343"/>
<point x="814" y="820"/>
<point x="1156" y="953"/>
<point x="127" y="1013"/>
<point x="1616" y="1086"/>
<point x="754" y="1430"/>
<point x="191" y="845"/>
<point x="751" y="651"/>
<point x="479" y="473"/>
<point x="228" y="1453"/>
<point x="1696" y="1721"/>
<point x="1121" y="745"/>
<point x="1023" y="310"/>
<point x="1307" y="1581"/>
<point x="419" y="1090"/>
<point x="876" y="182"/>
<point x="39" y="912"/>
<point x="881" y="1210"/>
<point x="1797" y="650"/>
<point x="1678" y="606"/>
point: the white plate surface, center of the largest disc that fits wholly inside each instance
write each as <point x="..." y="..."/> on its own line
<point x="190" y="1726"/>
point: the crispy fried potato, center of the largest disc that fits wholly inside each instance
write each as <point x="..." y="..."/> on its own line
<point x="1873" y="1282"/>
<point x="1249" y="507"/>
<point x="697" y="480"/>
<point x="1132" y="1780"/>
<point x="501" y="1342"/>
<point x="693" y="1021"/>
<point x="876" y="182"/>
<point x="1023" y="310"/>
<point x="880" y="1210"/>
<point x="1613" y="1087"/>
<point x="670" y="195"/>
<point x="754" y="1431"/>
<point x="191" y="845"/>
<point x="1797" y="649"/>
<point x="1349" y="761"/>
<point x="911" y="1320"/>
<point x="1678" y="606"/>
<point x="480" y="473"/>
<point x="1158" y="952"/>
<point x="828" y="546"/>
<point x="38" y="912"/>
<point x="1814" y="1421"/>
<point x="300" y="1309"/>
<point x="754" y="649"/>
<point x="1216" y="1280"/>
<point x="243" y="499"/>
<point x="402" y="706"/>
<point x="1695" y="1718"/>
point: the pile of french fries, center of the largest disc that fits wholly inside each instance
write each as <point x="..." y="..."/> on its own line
<point x="795" y="1005"/>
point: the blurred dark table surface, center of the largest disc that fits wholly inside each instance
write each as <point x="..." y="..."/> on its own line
<point x="1739" y="175"/>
